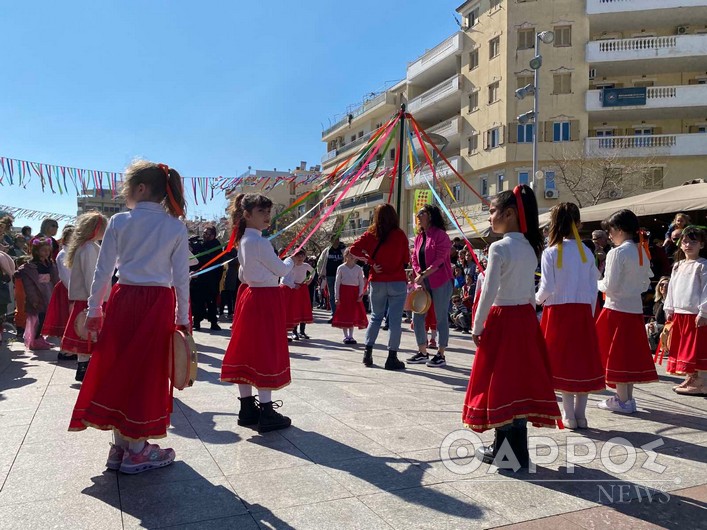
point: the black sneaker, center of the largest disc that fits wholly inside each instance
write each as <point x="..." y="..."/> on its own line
<point x="215" y="327"/>
<point x="437" y="361"/>
<point x="368" y="356"/>
<point x="419" y="358"/>
<point x="303" y="335"/>
<point x="250" y="411"/>
<point x="61" y="356"/>
<point x="330" y="320"/>
<point x="81" y="368"/>
<point x="270" y="419"/>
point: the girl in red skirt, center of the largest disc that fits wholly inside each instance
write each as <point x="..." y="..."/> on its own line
<point x="623" y="342"/>
<point x="127" y="386"/>
<point x="686" y="305"/>
<point x="510" y="381"/>
<point x="298" y="304"/>
<point x="81" y="258"/>
<point x="257" y="354"/>
<point x="349" y="287"/>
<point x="58" y="311"/>
<point x="568" y="289"/>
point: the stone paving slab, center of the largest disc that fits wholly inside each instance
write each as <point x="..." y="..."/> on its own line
<point x="364" y="452"/>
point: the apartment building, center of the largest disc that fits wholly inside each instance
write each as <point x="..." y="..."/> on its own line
<point x="100" y="201"/>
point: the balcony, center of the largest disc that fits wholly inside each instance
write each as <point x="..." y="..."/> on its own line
<point x="598" y="7"/>
<point x="437" y="63"/>
<point x="662" y="102"/>
<point x="439" y="101"/>
<point x="376" y="103"/>
<point x="443" y="171"/>
<point x="607" y="15"/>
<point x="671" y="53"/>
<point x="658" y="145"/>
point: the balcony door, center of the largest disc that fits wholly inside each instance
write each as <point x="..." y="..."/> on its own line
<point x="643" y="131"/>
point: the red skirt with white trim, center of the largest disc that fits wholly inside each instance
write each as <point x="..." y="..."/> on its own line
<point x="127" y="385"/>
<point x="350" y="312"/>
<point x="71" y="342"/>
<point x="624" y="348"/>
<point x="257" y="353"/>
<point x="298" y="306"/>
<point x="57" y="312"/>
<point x="573" y="348"/>
<point x="510" y="377"/>
<point x="688" y="346"/>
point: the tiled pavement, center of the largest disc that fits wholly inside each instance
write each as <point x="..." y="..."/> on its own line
<point x="363" y="452"/>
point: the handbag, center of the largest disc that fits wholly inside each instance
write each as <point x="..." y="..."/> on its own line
<point x="184" y="360"/>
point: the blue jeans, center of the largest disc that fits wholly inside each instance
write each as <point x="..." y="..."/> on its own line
<point x="440" y="297"/>
<point x="393" y="295"/>
<point x="330" y="281"/>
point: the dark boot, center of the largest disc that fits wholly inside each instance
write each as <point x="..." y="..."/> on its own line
<point x="270" y="419"/>
<point x="250" y="412"/>
<point x="487" y="454"/>
<point x="518" y="439"/>
<point x="393" y="363"/>
<point x="81" y="368"/>
<point x="368" y="356"/>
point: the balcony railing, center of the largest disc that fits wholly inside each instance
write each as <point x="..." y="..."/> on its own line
<point x="647" y="145"/>
<point x="446" y="48"/>
<point x="596" y="7"/>
<point x="447" y="128"/>
<point x="360" y="200"/>
<point x="665" y="47"/>
<point x="657" y="97"/>
<point x="444" y="89"/>
<point x="346" y="147"/>
<point x="380" y="99"/>
<point x="442" y="170"/>
<point x="355" y="232"/>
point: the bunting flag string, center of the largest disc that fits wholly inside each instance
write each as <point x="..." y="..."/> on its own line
<point x="14" y="211"/>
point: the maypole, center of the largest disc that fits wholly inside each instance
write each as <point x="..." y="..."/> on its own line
<point x="401" y="147"/>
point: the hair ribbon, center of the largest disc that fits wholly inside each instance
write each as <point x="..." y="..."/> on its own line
<point x="642" y="245"/>
<point x="170" y="195"/>
<point x="521" y="209"/>
<point x="580" y="247"/>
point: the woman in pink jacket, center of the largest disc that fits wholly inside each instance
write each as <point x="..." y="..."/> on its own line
<point x="433" y="271"/>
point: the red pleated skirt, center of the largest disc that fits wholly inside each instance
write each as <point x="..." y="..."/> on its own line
<point x="510" y="377"/>
<point x="57" y="312"/>
<point x="573" y="348"/>
<point x="688" y="346"/>
<point x="127" y="385"/>
<point x="298" y="306"/>
<point x="624" y="348"/>
<point x="257" y="353"/>
<point x="350" y="312"/>
<point x="71" y="342"/>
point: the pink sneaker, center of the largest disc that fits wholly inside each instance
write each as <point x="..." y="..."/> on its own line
<point x="151" y="457"/>
<point x="115" y="457"/>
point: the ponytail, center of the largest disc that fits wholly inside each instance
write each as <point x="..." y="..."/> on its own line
<point x="527" y="213"/>
<point x="174" y="202"/>
<point x="242" y="203"/>
<point x="562" y="217"/>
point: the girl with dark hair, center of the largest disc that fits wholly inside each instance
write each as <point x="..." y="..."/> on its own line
<point x="59" y="309"/>
<point x="623" y="342"/>
<point x="568" y="289"/>
<point x="686" y="305"/>
<point x="295" y="288"/>
<point x="384" y="246"/>
<point x="257" y="354"/>
<point x="433" y="272"/>
<point x="127" y="385"/>
<point x="510" y="380"/>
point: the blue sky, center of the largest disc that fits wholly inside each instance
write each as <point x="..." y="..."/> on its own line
<point x="208" y="87"/>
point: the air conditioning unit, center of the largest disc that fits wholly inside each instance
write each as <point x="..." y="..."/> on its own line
<point x="681" y="30"/>
<point x="616" y="193"/>
<point x="592" y="74"/>
<point x="552" y="194"/>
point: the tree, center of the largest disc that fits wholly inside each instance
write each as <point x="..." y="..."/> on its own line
<point x="594" y="179"/>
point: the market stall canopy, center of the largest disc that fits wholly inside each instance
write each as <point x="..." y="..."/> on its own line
<point x="685" y="198"/>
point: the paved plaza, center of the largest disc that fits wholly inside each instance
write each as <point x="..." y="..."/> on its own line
<point x="364" y="451"/>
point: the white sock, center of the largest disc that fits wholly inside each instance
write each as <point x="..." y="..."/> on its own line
<point x="245" y="390"/>
<point x="119" y="440"/>
<point x="580" y="406"/>
<point x="622" y="392"/>
<point x="82" y="357"/>
<point x="265" y="395"/>
<point x="568" y="405"/>
<point x="136" y="447"/>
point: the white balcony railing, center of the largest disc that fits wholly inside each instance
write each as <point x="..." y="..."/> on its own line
<point x="447" y="128"/>
<point x="647" y="146"/>
<point x="373" y="103"/>
<point x="442" y="170"/>
<point x="666" y="47"/>
<point x="598" y="7"/>
<point x="445" y="89"/>
<point x="447" y="48"/>
<point x="657" y="97"/>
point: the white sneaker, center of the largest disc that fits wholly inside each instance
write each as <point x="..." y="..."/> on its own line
<point x="614" y="404"/>
<point x="632" y="403"/>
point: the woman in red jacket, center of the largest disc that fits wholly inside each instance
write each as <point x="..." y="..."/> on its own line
<point x="384" y="247"/>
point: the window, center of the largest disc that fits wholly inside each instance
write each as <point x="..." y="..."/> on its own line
<point x="526" y="38"/>
<point x="550" y="180"/>
<point x="702" y="128"/>
<point x="493" y="92"/>
<point x="523" y="178"/>
<point x="494" y="137"/>
<point x="644" y="83"/>
<point x="457" y="192"/>
<point x="525" y="80"/>
<point x="563" y="36"/>
<point x="474" y="59"/>
<point x="360" y="134"/>
<point x="501" y="180"/>
<point x="605" y="133"/>
<point x="561" y="131"/>
<point x="392" y="154"/>
<point x="472" y="18"/>
<point x="379" y="125"/>
<point x="494" y="47"/>
<point x="353" y="137"/>
<point x="474" y="101"/>
<point x="484" y="186"/>
<point x="653" y="178"/>
<point x="473" y="143"/>
<point x="525" y="133"/>
<point x="562" y="83"/>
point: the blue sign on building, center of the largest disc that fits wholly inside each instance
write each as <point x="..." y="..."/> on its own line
<point x="621" y="97"/>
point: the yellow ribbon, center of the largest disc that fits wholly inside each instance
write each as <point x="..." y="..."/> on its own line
<point x="580" y="247"/>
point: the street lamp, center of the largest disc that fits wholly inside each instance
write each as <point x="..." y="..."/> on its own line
<point x="535" y="63"/>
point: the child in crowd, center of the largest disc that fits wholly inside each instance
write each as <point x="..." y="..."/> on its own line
<point x="568" y="289"/>
<point x="81" y="259"/>
<point x="349" y="288"/>
<point x="468" y="291"/>
<point x="459" y="280"/>
<point x="459" y="315"/>
<point x="686" y="305"/>
<point x="257" y="354"/>
<point x="58" y="312"/>
<point x="657" y="323"/>
<point x="38" y="279"/>
<point x="298" y="304"/>
<point x="127" y="385"/>
<point x="622" y="337"/>
<point x="510" y="380"/>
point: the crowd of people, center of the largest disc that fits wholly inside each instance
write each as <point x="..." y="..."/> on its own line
<point x="115" y="305"/>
